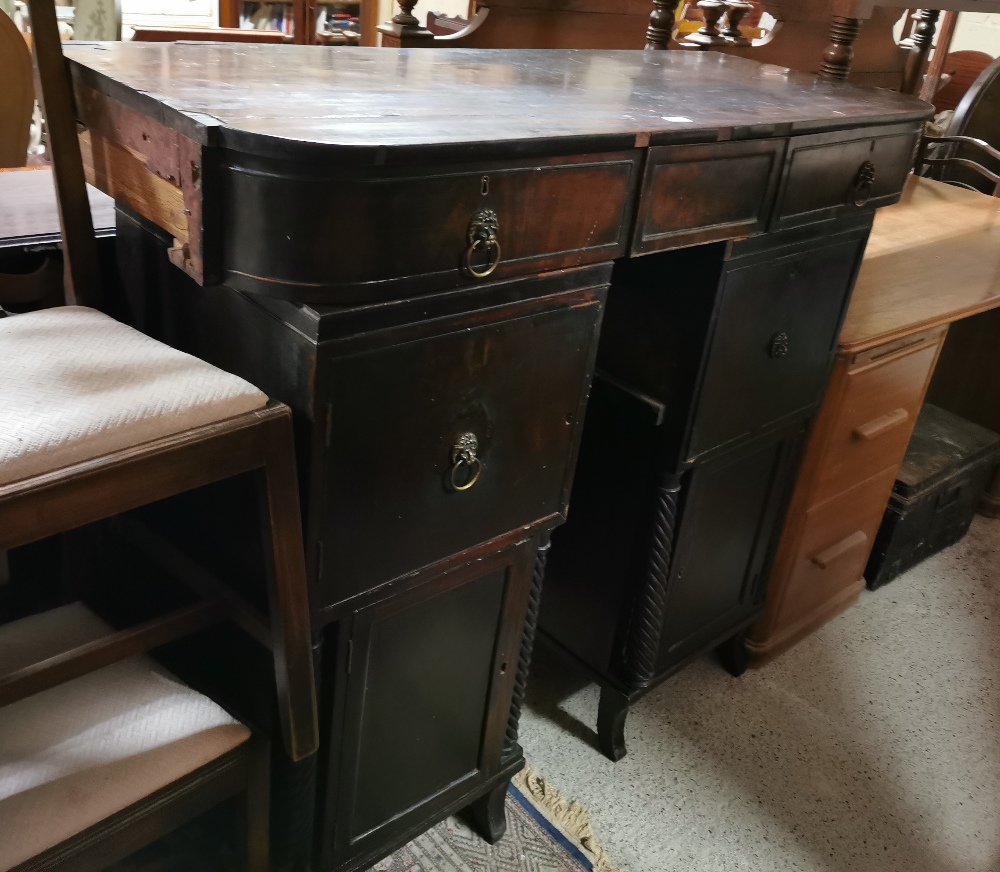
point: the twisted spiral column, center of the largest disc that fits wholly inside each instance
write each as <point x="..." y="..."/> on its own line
<point x="643" y="646"/>
<point x="527" y="649"/>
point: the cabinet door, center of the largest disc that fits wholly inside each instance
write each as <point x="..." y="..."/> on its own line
<point x="773" y="342"/>
<point x="431" y="675"/>
<point x="732" y="507"/>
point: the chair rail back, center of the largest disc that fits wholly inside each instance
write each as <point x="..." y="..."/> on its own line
<point x="84" y="285"/>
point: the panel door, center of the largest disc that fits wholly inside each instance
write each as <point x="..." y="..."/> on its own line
<point x="732" y="508"/>
<point x="429" y="684"/>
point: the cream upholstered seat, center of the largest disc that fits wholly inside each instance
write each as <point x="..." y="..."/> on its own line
<point x="76" y="385"/>
<point x="75" y="754"/>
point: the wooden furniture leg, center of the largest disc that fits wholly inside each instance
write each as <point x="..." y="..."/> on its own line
<point x="922" y="39"/>
<point x="281" y="529"/>
<point x="257" y="808"/>
<point x="840" y="53"/>
<point x="661" y="24"/>
<point x="611" y="714"/>
<point x="734" y="656"/>
<point x="487" y="815"/>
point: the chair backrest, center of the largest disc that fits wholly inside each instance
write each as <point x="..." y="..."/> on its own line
<point x="83" y="272"/>
<point x="17" y="94"/>
<point x="963" y="68"/>
<point x="962" y="161"/>
<point x="977" y="118"/>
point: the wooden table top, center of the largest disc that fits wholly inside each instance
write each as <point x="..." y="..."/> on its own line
<point x="272" y="100"/>
<point x="932" y="258"/>
<point x="29" y="215"/>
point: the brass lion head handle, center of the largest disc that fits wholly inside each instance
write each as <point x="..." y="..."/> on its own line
<point x="466" y="466"/>
<point x="482" y="237"/>
<point x="864" y="183"/>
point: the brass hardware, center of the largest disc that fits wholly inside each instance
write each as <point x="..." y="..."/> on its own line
<point x="464" y="456"/>
<point x="864" y="183"/>
<point x="482" y="236"/>
<point x="779" y="345"/>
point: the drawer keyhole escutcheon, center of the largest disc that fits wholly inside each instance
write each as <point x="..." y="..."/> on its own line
<point x="779" y="346"/>
<point x="466" y="465"/>
<point x="482" y="238"/>
<point x="864" y="183"/>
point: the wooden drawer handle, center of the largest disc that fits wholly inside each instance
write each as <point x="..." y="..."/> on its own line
<point x="841" y="549"/>
<point x="874" y="429"/>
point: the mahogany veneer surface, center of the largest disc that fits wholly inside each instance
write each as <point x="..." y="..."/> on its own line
<point x="260" y="99"/>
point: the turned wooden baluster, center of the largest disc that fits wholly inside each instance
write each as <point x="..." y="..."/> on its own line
<point x="839" y="54"/>
<point x="709" y="34"/>
<point x="661" y="24"/>
<point x="736" y="11"/>
<point x="405" y="28"/>
<point x="922" y="39"/>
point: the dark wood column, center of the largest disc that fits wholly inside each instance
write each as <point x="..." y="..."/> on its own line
<point x="840" y="53"/>
<point x="661" y="24"/>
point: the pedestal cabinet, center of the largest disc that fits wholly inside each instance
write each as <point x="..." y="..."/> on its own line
<point x="424" y="286"/>
<point x="711" y="362"/>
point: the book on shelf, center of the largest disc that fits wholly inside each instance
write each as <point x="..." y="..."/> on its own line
<point x="256" y="15"/>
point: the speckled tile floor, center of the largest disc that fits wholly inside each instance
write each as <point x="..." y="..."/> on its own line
<point x="872" y="745"/>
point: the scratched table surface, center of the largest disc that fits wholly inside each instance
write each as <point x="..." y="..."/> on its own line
<point x="268" y="99"/>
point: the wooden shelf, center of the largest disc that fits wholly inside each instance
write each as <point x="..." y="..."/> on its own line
<point x="229" y="15"/>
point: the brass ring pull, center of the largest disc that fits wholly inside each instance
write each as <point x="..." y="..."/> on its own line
<point x="464" y="455"/>
<point x="482" y="236"/>
<point x="492" y="245"/>
<point x="476" y="464"/>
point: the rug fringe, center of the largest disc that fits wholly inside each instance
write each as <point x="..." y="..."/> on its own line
<point x="568" y="816"/>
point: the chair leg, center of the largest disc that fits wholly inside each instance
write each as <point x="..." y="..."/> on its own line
<point x="257" y="807"/>
<point x="291" y="636"/>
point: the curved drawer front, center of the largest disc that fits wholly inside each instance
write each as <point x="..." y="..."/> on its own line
<point x="702" y="193"/>
<point x="355" y="237"/>
<point x="877" y="413"/>
<point x="774" y="339"/>
<point x="445" y="442"/>
<point x="829" y="174"/>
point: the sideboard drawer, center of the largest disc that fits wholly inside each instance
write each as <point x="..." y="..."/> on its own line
<point x="876" y="414"/>
<point x="400" y="493"/>
<point x="774" y="338"/>
<point x="702" y="193"/>
<point x="409" y="230"/>
<point x="826" y="175"/>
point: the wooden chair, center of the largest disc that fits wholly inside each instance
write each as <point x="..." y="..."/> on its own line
<point x="968" y="154"/>
<point x="17" y="94"/>
<point x="98" y="420"/>
<point x="962" y="68"/>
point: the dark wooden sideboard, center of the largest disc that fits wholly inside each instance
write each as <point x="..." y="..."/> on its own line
<point x="425" y="286"/>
